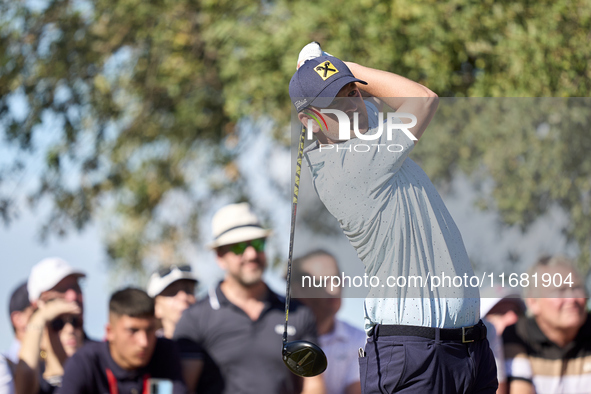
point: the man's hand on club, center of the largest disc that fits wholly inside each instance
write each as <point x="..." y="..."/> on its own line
<point x="310" y="51"/>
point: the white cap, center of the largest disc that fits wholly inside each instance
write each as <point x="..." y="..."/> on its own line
<point x="158" y="283"/>
<point x="236" y="223"/>
<point x="491" y="296"/>
<point x="46" y="274"/>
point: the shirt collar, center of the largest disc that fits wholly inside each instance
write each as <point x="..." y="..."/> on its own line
<point x="120" y="373"/>
<point x="311" y="153"/>
<point x="535" y="333"/>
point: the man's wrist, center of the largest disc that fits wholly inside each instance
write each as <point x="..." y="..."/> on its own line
<point x="35" y="326"/>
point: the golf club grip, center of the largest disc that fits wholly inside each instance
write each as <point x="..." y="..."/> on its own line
<point x="294" y="208"/>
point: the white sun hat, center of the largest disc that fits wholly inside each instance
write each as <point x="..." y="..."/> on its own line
<point x="236" y="223"/>
<point x="491" y="296"/>
<point x="46" y="274"/>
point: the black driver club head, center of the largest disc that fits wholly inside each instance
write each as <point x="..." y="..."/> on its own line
<point x="304" y="358"/>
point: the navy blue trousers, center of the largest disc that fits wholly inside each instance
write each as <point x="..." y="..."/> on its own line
<point x="407" y="364"/>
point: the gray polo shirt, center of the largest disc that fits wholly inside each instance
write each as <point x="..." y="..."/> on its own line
<point x="400" y="227"/>
<point x="242" y="355"/>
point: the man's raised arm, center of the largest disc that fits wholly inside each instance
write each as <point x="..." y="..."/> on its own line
<point x="399" y="93"/>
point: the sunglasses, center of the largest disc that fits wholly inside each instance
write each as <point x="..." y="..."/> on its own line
<point x="188" y="286"/>
<point x="68" y="286"/>
<point x="59" y="323"/>
<point x="162" y="272"/>
<point x="240" y="247"/>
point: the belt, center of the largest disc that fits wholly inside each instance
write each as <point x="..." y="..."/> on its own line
<point x="464" y="334"/>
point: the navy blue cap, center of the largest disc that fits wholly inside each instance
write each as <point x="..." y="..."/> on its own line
<point x="19" y="300"/>
<point x="318" y="81"/>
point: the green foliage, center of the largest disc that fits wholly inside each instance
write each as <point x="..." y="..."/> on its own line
<point x="148" y="95"/>
<point x="534" y="150"/>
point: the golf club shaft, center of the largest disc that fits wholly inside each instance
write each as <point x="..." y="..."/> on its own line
<point x="294" y="208"/>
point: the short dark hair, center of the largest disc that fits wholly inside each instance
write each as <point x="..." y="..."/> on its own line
<point x="131" y="302"/>
<point x="19" y="301"/>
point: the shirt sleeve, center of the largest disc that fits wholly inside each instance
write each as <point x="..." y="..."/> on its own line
<point x="187" y="336"/>
<point x="495" y="343"/>
<point x="6" y="383"/>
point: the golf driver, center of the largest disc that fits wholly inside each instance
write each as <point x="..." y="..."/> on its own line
<point x="303" y="358"/>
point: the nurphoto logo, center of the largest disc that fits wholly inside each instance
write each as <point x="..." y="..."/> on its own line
<point x="392" y="123"/>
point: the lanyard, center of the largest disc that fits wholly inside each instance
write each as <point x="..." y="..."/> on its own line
<point x="113" y="383"/>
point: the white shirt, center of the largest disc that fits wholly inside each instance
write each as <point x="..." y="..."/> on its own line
<point x="397" y="222"/>
<point x="496" y="345"/>
<point x="341" y="347"/>
<point x="13" y="351"/>
<point x="6" y="384"/>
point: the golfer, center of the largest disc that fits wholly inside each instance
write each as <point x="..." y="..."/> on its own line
<point x="422" y="338"/>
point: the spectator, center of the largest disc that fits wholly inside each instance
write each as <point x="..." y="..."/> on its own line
<point x="20" y="311"/>
<point x="339" y="340"/>
<point x="240" y="324"/>
<point x="500" y="307"/>
<point x="549" y="351"/>
<point x="6" y="384"/>
<point x="54" y="331"/>
<point x="132" y="360"/>
<point x="173" y="290"/>
<point x="397" y="223"/>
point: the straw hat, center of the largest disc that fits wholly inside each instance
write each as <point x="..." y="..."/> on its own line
<point x="236" y="223"/>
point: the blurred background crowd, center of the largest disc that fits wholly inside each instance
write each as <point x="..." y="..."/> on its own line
<point x="230" y="339"/>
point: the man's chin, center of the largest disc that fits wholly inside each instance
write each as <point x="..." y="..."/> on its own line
<point x="573" y="318"/>
<point x="251" y="281"/>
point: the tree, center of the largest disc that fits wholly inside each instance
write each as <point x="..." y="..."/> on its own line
<point x="530" y="155"/>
